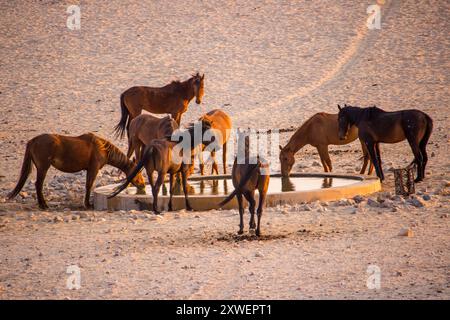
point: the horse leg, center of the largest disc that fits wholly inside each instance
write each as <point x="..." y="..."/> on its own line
<point x="214" y="163"/>
<point x="250" y="196"/>
<point x="177" y="117"/>
<point x="417" y="156"/>
<point x="423" y="150"/>
<point x="224" y="157"/>
<point x="262" y="197"/>
<point x="90" y="178"/>
<point x="324" y="157"/>
<point x="40" y="177"/>
<point x="185" y="189"/>
<point x="200" y="160"/>
<point x="155" y="191"/>
<point x="241" y="213"/>
<point x="373" y="157"/>
<point x="130" y="148"/>
<point x="171" y="191"/>
<point x="377" y="149"/>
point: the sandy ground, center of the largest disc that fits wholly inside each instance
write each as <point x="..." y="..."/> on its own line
<point x="270" y="64"/>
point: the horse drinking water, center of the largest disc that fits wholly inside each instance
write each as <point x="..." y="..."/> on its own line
<point x="72" y="154"/>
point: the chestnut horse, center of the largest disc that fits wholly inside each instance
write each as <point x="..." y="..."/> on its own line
<point x="158" y="156"/>
<point x="172" y="98"/>
<point x="221" y="124"/>
<point x="319" y="131"/>
<point x="249" y="175"/>
<point x="377" y="126"/>
<point x="71" y="154"/>
<point x="144" y="129"/>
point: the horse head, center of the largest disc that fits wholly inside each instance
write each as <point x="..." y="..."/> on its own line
<point x="198" y="81"/>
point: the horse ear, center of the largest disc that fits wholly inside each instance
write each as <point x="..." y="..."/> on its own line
<point x="203" y="76"/>
<point x="281" y="148"/>
<point x="339" y="107"/>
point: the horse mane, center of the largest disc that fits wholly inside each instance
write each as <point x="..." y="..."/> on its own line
<point x="113" y="153"/>
<point x="359" y="113"/>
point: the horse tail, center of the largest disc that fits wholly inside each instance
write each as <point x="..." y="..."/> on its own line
<point x="124" y="119"/>
<point x="148" y="152"/>
<point x="25" y="172"/>
<point x="428" y="131"/>
<point x="241" y="184"/>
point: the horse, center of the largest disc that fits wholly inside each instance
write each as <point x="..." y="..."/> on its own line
<point x="172" y="98"/>
<point x="71" y="154"/>
<point x="221" y="125"/>
<point x="319" y="131"/>
<point x="248" y="176"/>
<point x="377" y="126"/>
<point x="159" y="156"/>
<point x="144" y="129"/>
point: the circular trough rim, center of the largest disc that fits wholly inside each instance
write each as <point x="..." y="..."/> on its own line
<point x="364" y="185"/>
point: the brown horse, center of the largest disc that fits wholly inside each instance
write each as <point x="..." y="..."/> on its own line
<point x="158" y="156"/>
<point x="144" y="129"/>
<point x="172" y="98"/>
<point x="319" y="131"/>
<point x="71" y="154"/>
<point x="221" y="123"/>
<point x="248" y="176"/>
<point x="376" y="126"/>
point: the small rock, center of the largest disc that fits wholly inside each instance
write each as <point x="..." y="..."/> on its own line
<point x="316" y="164"/>
<point x="358" y="198"/>
<point x="416" y="202"/>
<point x="406" y="232"/>
<point x="426" y="197"/>
<point x="58" y="219"/>
<point x="259" y="255"/>
<point x="373" y="203"/>
<point x="284" y="212"/>
<point x="307" y="208"/>
<point x="84" y="215"/>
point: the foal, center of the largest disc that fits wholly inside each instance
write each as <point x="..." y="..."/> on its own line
<point x="247" y="177"/>
<point x="71" y="154"/>
<point x="159" y="156"/>
<point x="376" y="126"/>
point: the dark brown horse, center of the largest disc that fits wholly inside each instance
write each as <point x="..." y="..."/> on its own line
<point x="144" y="129"/>
<point x="71" y="154"/>
<point x="376" y="126"/>
<point x="159" y="156"/>
<point x="248" y="176"/>
<point x="172" y="98"/>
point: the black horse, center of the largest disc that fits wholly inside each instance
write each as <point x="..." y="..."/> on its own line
<point x="375" y="126"/>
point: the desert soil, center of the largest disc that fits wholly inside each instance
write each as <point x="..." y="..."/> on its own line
<point x="269" y="64"/>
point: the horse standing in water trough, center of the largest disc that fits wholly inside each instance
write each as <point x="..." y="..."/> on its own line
<point x="72" y="154"/>
<point x="319" y="131"/>
<point x="172" y="98"/>
<point x="376" y="126"/>
<point x="221" y="125"/>
<point x="252" y="174"/>
<point x="144" y="129"/>
<point x="158" y="156"/>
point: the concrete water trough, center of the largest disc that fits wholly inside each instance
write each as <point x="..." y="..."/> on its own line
<point x="206" y="192"/>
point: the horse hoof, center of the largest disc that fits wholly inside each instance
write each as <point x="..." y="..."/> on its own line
<point x="241" y="232"/>
<point x="418" y="180"/>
